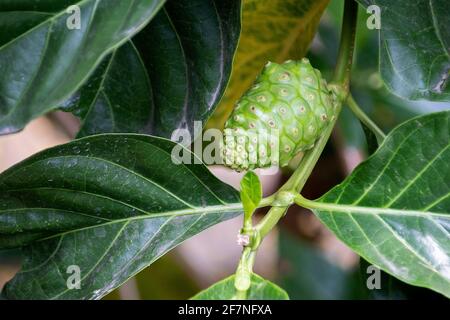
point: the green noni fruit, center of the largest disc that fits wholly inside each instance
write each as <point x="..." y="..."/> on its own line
<point x="282" y="114"/>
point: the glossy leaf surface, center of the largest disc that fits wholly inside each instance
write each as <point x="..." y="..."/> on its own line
<point x="43" y="61"/>
<point x="172" y="73"/>
<point x="415" y="47"/>
<point x="394" y="209"/>
<point x="109" y="205"/>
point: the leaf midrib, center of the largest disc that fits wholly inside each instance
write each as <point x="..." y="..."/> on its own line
<point x="114" y="164"/>
<point x="336" y="208"/>
<point x="230" y="208"/>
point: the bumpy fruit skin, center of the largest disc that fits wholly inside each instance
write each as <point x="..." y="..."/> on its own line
<point x="287" y="108"/>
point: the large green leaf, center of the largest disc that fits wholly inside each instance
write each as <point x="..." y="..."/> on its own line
<point x="43" y="62"/>
<point x="110" y="204"/>
<point x="171" y="74"/>
<point x="394" y="209"/>
<point x="415" y="47"/>
<point x="260" y="289"/>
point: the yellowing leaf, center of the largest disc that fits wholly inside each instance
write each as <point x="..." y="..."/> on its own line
<point x="274" y="30"/>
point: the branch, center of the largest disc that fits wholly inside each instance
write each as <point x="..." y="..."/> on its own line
<point x="285" y="196"/>
<point x="364" y="118"/>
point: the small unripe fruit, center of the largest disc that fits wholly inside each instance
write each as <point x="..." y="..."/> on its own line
<point x="282" y="114"/>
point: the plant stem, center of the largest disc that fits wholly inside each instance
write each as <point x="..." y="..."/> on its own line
<point x="347" y="44"/>
<point x="306" y="203"/>
<point x="266" y="201"/>
<point x="341" y="79"/>
<point x="243" y="276"/>
<point x="270" y="220"/>
<point x="296" y="182"/>
<point x="364" y="118"/>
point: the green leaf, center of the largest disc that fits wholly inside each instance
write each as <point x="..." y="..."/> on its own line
<point x="394" y="209"/>
<point x="260" y="289"/>
<point x="415" y="47"/>
<point x="251" y="192"/>
<point x="171" y="74"/>
<point x="43" y="62"/>
<point x="383" y="107"/>
<point x="275" y="30"/>
<point x="109" y="204"/>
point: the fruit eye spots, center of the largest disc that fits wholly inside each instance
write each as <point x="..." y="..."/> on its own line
<point x="261" y="98"/>
<point x="284" y="101"/>
<point x="230" y="143"/>
<point x="284" y="92"/>
<point x="284" y="76"/>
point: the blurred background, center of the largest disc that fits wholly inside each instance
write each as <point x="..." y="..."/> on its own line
<point x="300" y="255"/>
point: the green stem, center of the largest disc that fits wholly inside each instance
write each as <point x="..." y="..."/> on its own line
<point x="341" y="87"/>
<point x="266" y="201"/>
<point x="296" y="182"/>
<point x="244" y="271"/>
<point x="364" y="118"/>
<point x="347" y="44"/>
<point x="270" y="220"/>
<point x="306" y="203"/>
